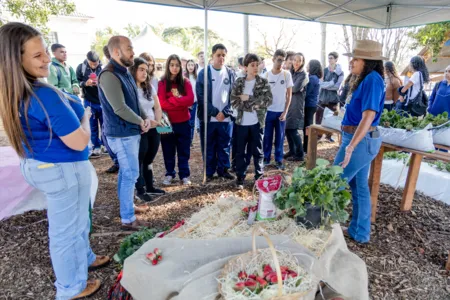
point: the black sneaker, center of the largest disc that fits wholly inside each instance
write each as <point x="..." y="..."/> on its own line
<point x="113" y="169"/>
<point x="287" y="155"/>
<point x="266" y="162"/>
<point x="156" y="192"/>
<point x="144" y="197"/>
<point x="296" y="158"/>
<point x="240" y="183"/>
<point x="209" y="178"/>
<point x="280" y="165"/>
<point x="227" y="175"/>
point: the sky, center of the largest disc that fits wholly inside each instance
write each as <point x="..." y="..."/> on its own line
<point x="118" y="14"/>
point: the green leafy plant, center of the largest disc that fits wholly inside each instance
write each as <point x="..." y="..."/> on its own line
<point x="394" y="120"/>
<point x="431" y="36"/>
<point x="322" y="186"/>
<point x="133" y="242"/>
<point x="404" y="157"/>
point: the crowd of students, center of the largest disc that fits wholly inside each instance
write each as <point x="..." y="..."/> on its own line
<point x="124" y="103"/>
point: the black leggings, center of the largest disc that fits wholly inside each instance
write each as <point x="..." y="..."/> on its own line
<point x="309" y="120"/>
<point x="147" y="151"/>
<point x="295" y="143"/>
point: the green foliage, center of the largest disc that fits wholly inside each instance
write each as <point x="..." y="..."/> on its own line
<point x="322" y="186"/>
<point x="404" y="157"/>
<point x="432" y="36"/>
<point x="190" y="39"/>
<point x="441" y="166"/>
<point x="101" y="39"/>
<point x="35" y="12"/>
<point x="394" y="120"/>
<point x="133" y="30"/>
<point x="133" y="242"/>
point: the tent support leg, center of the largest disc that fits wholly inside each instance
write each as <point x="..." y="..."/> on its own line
<point x="205" y="92"/>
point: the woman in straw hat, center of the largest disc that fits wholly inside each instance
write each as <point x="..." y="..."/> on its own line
<point x="360" y="139"/>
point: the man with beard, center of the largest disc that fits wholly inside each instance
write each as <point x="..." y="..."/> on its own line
<point x="123" y="122"/>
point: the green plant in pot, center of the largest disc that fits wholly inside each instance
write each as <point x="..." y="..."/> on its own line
<point x="320" y="191"/>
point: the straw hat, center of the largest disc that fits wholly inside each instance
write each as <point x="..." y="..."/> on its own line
<point x="367" y="49"/>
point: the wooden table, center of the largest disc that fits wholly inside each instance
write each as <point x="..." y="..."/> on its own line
<point x="375" y="169"/>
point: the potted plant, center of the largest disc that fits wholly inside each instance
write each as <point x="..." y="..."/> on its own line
<point x="316" y="197"/>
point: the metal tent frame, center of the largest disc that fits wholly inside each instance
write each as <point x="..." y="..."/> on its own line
<point x="382" y="14"/>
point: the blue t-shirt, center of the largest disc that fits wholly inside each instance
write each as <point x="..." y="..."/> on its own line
<point x="368" y="96"/>
<point x="64" y="117"/>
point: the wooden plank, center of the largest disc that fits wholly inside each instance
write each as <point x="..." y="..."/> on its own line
<point x="436" y="155"/>
<point x="374" y="181"/>
<point x="439" y="146"/>
<point x="411" y="180"/>
<point x="312" y="147"/>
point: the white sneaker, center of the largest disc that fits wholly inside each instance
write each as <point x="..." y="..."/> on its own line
<point x="104" y="150"/>
<point x="186" y="181"/>
<point x="96" y="152"/>
<point x="168" y="180"/>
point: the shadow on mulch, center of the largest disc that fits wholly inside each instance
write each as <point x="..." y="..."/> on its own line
<point x="405" y="257"/>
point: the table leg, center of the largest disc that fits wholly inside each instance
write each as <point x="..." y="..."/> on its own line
<point x="411" y="180"/>
<point x="312" y="148"/>
<point x="374" y="181"/>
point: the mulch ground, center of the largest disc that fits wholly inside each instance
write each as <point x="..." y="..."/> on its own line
<point x="405" y="258"/>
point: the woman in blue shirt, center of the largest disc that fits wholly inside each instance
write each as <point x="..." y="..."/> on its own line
<point x="50" y="132"/>
<point x="440" y="98"/>
<point x="360" y="139"/>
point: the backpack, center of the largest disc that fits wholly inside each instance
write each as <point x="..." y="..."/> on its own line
<point x="419" y="104"/>
<point x="58" y="71"/>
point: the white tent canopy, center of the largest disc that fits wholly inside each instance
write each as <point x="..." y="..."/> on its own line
<point x="367" y="13"/>
<point x="147" y="41"/>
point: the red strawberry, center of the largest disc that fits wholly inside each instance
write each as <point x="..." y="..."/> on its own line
<point x="254" y="208"/>
<point x="267" y="268"/>
<point x="251" y="284"/>
<point x="261" y="281"/>
<point x="239" y="286"/>
<point x="151" y="256"/>
<point x="284" y="275"/>
<point x="154" y="262"/>
<point x="252" y="276"/>
<point x="284" y="269"/>
<point x="245" y="210"/>
<point x="274" y="279"/>
<point x="292" y="274"/>
<point x="159" y="257"/>
<point x="269" y="275"/>
<point x="242" y="275"/>
<point x="157" y="251"/>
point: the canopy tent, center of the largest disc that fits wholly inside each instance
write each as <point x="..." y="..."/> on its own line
<point x="147" y="41"/>
<point x="366" y="13"/>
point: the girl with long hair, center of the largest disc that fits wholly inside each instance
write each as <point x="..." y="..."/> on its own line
<point x="149" y="145"/>
<point x="191" y="74"/>
<point x="361" y="140"/>
<point x="315" y="70"/>
<point x="176" y="96"/>
<point x="50" y="132"/>
<point x="296" y="113"/>
<point x="151" y="69"/>
<point x="412" y="88"/>
<point x="392" y="82"/>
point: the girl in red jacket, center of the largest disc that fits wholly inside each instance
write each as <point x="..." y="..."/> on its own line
<point x="176" y="96"/>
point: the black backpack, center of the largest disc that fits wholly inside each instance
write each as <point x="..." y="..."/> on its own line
<point x="418" y="105"/>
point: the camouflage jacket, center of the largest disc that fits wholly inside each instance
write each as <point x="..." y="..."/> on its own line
<point x="259" y="102"/>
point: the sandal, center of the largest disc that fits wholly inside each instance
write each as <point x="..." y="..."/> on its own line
<point x="92" y="287"/>
<point x="135" y="226"/>
<point x="100" y="262"/>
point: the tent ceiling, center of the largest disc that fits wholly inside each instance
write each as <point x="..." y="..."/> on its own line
<point x="367" y="13"/>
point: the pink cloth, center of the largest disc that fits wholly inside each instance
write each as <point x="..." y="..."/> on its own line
<point x="13" y="187"/>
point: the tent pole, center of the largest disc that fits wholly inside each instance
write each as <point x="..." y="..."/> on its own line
<point x="205" y="91"/>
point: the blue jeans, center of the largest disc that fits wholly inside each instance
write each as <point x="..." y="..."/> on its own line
<point x="357" y="173"/>
<point x="67" y="187"/>
<point x="273" y="123"/>
<point x="127" y="151"/>
<point x="178" y="144"/>
<point x="193" y="111"/>
<point x="110" y="152"/>
<point x="218" y="146"/>
<point x="95" y="122"/>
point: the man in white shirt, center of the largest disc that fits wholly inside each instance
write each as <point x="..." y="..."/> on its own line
<point x="280" y="82"/>
<point x="220" y="83"/>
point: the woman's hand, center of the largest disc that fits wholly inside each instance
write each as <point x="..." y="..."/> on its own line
<point x="348" y="155"/>
<point x="154" y="124"/>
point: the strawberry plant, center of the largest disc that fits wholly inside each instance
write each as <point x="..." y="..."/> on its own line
<point x="394" y="120"/>
<point x="133" y="242"/>
<point x="322" y="187"/>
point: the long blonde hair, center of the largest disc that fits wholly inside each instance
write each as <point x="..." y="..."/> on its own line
<point x="16" y="85"/>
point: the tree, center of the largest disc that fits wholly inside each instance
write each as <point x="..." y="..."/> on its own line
<point x="133" y="30"/>
<point x="284" y="40"/>
<point x="35" y="12"/>
<point x="396" y="42"/>
<point x="431" y="36"/>
<point x="101" y="40"/>
<point x="190" y="39"/>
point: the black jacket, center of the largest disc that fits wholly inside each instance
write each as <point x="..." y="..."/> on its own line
<point x="90" y="93"/>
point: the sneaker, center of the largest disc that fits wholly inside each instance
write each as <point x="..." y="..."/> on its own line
<point x="227" y="175"/>
<point x="240" y="183"/>
<point x="280" y="165"/>
<point x="295" y="158"/>
<point x="266" y="163"/>
<point x="232" y="170"/>
<point x="103" y="150"/>
<point x="287" y="155"/>
<point x="168" y="180"/>
<point x="156" y="192"/>
<point x="113" y="169"/>
<point x="209" y="178"/>
<point x="144" y="197"/>
<point x="186" y="181"/>
<point x="96" y="152"/>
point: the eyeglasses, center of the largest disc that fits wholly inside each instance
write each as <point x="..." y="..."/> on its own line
<point x="331" y="57"/>
<point x="280" y="61"/>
